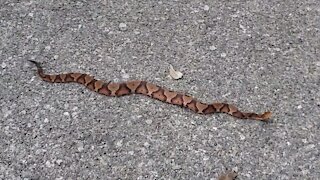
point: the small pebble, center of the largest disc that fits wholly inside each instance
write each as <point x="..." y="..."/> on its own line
<point x="48" y="164"/>
<point x="146" y="144"/>
<point x="176" y="167"/>
<point x="242" y="137"/>
<point x="149" y="121"/>
<point x="206" y="8"/>
<point x="223" y="55"/>
<point x="206" y="158"/>
<point x="119" y="143"/>
<point x="212" y="48"/>
<point x="7" y="113"/>
<point x="59" y="161"/>
<point x="3" y="65"/>
<point x="123" y="26"/>
<point x="80" y="147"/>
<point x="47" y="48"/>
<point x="124" y="74"/>
<point x="136" y="32"/>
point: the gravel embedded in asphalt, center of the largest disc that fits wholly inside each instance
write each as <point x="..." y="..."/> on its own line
<point x="257" y="55"/>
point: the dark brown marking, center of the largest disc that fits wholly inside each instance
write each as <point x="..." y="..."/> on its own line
<point x="91" y="85"/>
<point x="123" y="90"/>
<point x="104" y="90"/>
<point x="209" y="109"/>
<point x="113" y="87"/>
<point x="46" y="78"/>
<point x="52" y="77"/>
<point x="225" y="108"/>
<point x="151" y="88"/>
<point x="177" y="100"/>
<point x="58" y="79"/>
<point x="75" y="76"/>
<point x="133" y="85"/>
<point x="192" y="106"/>
<point x="159" y="95"/>
<point x="186" y="100"/>
<point x="69" y="78"/>
<point x="81" y="79"/>
<point x="250" y="115"/>
<point x="98" y="85"/>
<point x="232" y="109"/>
<point x="218" y="106"/>
<point x="170" y="95"/>
<point x="142" y="89"/>
<point x="200" y="106"/>
<point x="238" y="114"/>
<point x="63" y="77"/>
<point x="88" y="79"/>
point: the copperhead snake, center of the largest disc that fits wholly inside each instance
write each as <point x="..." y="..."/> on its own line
<point x="148" y="89"/>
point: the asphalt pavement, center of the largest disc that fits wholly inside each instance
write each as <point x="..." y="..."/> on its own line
<point x="257" y="55"/>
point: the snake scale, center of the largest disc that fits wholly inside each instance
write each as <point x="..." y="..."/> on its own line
<point x="148" y="89"/>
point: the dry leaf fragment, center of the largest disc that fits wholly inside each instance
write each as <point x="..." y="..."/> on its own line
<point x="229" y="175"/>
<point x="175" y="74"/>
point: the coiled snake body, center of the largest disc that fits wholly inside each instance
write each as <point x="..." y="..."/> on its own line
<point x="148" y="89"/>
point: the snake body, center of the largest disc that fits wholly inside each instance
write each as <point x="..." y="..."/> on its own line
<point x="148" y="89"/>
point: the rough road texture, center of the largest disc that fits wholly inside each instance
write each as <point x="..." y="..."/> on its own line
<point x="259" y="55"/>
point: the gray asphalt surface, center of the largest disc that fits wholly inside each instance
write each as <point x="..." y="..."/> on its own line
<point x="258" y="55"/>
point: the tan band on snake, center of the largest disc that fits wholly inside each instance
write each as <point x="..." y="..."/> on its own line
<point x="151" y="90"/>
